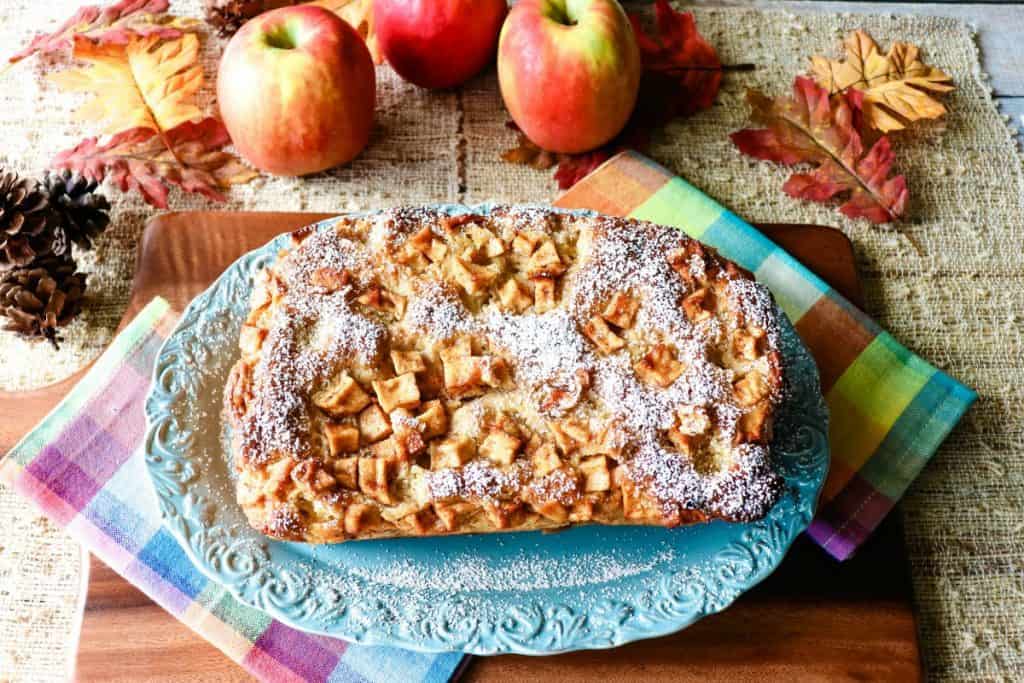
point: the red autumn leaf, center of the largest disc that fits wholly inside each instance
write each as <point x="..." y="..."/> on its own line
<point x="571" y="167"/>
<point x="138" y="159"/>
<point x="682" y="72"/>
<point x="576" y="167"/>
<point x="809" y="127"/>
<point x="114" y="24"/>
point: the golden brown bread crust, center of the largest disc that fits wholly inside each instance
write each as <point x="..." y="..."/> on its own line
<point x="417" y="373"/>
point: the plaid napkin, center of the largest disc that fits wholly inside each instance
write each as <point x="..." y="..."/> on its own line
<point x="889" y="409"/>
<point x="84" y="468"/>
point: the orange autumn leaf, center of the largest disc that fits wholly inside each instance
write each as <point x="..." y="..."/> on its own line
<point x="147" y="83"/>
<point x="898" y="87"/>
<point x="359" y="15"/>
<point x="526" y="153"/>
<point x="117" y="23"/>
<point x="809" y="127"/>
<point x="189" y="156"/>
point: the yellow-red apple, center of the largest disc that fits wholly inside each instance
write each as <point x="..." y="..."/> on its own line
<point x="438" y="43"/>
<point x="569" y="71"/>
<point x="296" y="89"/>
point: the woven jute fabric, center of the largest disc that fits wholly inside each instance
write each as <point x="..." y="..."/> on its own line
<point x="956" y="298"/>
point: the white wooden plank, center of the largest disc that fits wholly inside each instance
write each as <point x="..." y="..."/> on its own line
<point x="1014" y="108"/>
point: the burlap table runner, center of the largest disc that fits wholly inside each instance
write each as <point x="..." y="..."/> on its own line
<point x="959" y="302"/>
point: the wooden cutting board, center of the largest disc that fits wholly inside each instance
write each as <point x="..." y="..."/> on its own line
<point x="813" y="619"/>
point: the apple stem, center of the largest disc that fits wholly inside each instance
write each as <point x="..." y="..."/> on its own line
<point x="724" y="67"/>
<point x="739" y="67"/>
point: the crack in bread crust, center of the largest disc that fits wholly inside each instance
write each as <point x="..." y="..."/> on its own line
<point x="420" y="373"/>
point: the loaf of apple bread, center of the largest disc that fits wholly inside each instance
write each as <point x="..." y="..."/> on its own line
<point x="419" y="372"/>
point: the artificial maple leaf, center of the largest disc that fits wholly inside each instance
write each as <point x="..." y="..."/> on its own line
<point x="148" y="83"/>
<point x="359" y="15"/>
<point x="682" y="72"/>
<point x="527" y="153"/>
<point x="571" y="167"/>
<point x="578" y="166"/>
<point x="138" y="159"/>
<point x="115" y="24"/>
<point x="810" y="127"/>
<point x="898" y="87"/>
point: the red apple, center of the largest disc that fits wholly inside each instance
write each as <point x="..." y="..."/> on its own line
<point x="569" y="71"/>
<point x="438" y="43"/>
<point x="296" y="89"/>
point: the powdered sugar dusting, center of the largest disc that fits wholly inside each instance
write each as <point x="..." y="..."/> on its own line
<point x="324" y="249"/>
<point x="552" y="362"/>
<point x="313" y="333"/>
<point x="545" y="348"/>
<point x="523" y="572"/>
<point x="633" y="259"/>
<point x="559" y="486"/>
<point x="477" y="480"/>
<point x="696" y="266"/>
<point x="399" y="222"/>
<point x="742" y="493"/>
<point x="337" y="331"/>
<point x="528" y="218"/>
<point x="437" y="312"/>
<point x="647" y="410"/>
<point x="754" y="301"/>
<point x="283" y="521"/>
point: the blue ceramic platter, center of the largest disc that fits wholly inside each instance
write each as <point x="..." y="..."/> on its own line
<point x="528" y="593"/>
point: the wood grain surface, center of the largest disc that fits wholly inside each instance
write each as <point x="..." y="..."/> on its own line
<point x="814" y="619"/>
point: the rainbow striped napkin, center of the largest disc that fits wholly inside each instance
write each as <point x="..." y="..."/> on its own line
<point x="84" y="468"/>
<point x="890" y="409"/>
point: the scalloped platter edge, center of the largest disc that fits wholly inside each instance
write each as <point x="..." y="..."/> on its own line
<point x="526" y="593"/>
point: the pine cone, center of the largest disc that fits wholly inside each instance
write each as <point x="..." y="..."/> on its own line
<point x="227" y="16"/>
<point x="39" y="299"/>
<point x="26" y="221"/>
<point x="81" y="212"/>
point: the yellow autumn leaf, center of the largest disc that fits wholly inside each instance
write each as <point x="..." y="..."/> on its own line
<point x="359" y="15"/>
<point x="898" y="87"/>
<point x="147" y="83"/>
